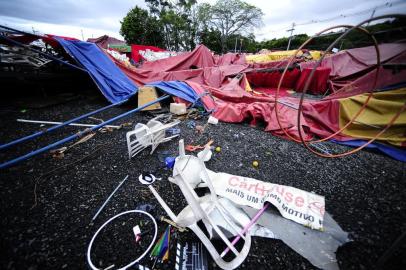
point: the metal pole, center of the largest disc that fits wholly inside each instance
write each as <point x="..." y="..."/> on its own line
<point x="18" y="31"/>
<point x="108" y="199"/>
<point x="241" y="44"/>
<point x="77" y="135"/>
<point x="372" y="15"/>
<point x="39" y="133"/>
<point x="235" y="46"/>
<point x="58" y="123"/>
<point x="41" y="53"/>
<point x="291" y="33"/>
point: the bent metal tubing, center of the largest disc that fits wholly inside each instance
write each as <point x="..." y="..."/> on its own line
<point x="390" y="123"/>
<point x="77" y="135"/>
<point x="41" y="53"/>
<point x="39" y="133"/>
<point x="311" y="75"/>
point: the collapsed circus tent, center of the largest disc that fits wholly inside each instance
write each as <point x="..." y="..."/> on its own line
<point x="244" y="90"/>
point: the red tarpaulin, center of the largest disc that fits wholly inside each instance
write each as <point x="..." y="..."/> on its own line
<point x="388" y="75"/>
<point x="271" y="79"/>
<point x="200" y="57"/>
<point x="352" y="71"/>
<point x="318" y="84"/>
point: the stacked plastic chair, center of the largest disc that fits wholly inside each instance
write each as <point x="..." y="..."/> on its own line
<point x="151" y="134"/>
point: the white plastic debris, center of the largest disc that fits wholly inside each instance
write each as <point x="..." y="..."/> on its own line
<point x="151" y="134"/>
<point x="298" y="205"/>
<point x="212" y="120"/>
<point x="205" y="155"/>
<point x="177" y="108"/>
<point x="242" y="221"/>
<point x="149" y="216"/>
<point x="153" y="56"/>
<point x="317" y="247"/>
<point x="199" y="208"/>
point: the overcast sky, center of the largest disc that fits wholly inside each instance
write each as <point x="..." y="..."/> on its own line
<point x="99" y="17"/>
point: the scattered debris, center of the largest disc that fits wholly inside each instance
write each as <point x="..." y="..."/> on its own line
<point x="298" y="205"/>
<point x="108" y="199"/>
<point x="191" y="256"/>
<point x="200" y="129"/>
<point x="137" y="233"/>
<point x="147" y="179"/>
<point x="169" y="162"/>
<point x="160" y="252"/>
<point x="152" y="134"/>
<point x="319" y="247"/>
<point x="58" y="123"/>
<point x="89" y="249"/>
<point x="179" y="228"/>
<point x="212" y="120"/>
<point x="60" y="153"/>
<point x="145" y="207"/>
<point x="178" y="108"/>
<point x="191" y="124"/>
<point x="173" y="131"/>
<point x="186" y="174"/>
<point x="162" y="155"/>
<point x="192" y="148"/>
<point x="246" y="228"/>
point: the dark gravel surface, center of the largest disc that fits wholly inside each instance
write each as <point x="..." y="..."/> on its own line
<point x="365" y="193"/>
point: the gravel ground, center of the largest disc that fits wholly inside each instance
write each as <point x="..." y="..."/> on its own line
<point x="365" y="192"/>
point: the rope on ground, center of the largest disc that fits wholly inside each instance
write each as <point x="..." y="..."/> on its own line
<point x="48" y="174"/>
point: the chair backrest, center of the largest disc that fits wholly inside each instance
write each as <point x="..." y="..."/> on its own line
<point x="188" y="172"/>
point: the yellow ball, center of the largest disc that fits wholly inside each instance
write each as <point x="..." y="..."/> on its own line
<point x="218" y="149"/>
<point x="255" y="163"/>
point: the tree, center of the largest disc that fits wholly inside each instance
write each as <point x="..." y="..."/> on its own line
<point x="211" y="39"/>
<point x="232" y="17"/>
<point x="177" y="21"/>
<point x="138" y="27"/>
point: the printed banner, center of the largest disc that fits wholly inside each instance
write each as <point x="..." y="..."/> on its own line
<point x="300" y="206"/>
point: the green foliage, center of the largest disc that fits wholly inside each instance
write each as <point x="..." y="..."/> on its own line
<point x="383" y="32"/>
<point x="232" y="17"/>
<point x="138" y="27"/>
<point x="181" y="24"/>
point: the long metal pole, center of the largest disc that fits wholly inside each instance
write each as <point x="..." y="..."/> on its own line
<point x="58" y="123"/>
<point x="77" y="135"/>
<point x="39" y="133"/>
<point x="41" y="53"/>
<point x="290" y="37"/>
<point x="108" y="199"/>
<point x="18" y="31"/>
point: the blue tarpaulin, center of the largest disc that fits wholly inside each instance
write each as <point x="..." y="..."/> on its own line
<point x="179" y="89"/>
<point x="394" y="152"/>
<point x="112" y="82"/>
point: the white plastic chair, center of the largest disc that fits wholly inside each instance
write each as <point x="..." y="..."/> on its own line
<point x="151" y="134"/>
<point x="188" y="172"/>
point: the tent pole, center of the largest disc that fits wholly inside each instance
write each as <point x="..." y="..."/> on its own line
<point x="39" y="133"/>
<point x="41" y="53"/>
<point x="77" y="135"/>
<point x="19" y="31"/>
